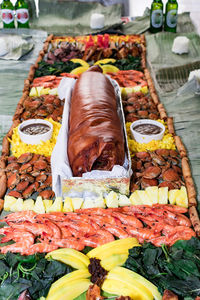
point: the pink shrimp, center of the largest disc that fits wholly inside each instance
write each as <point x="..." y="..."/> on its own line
<point x="24" y="240"/>
<point x="128" y="220"/>
<point x="117" y="231"/>
<point x="142" y="233"/>
<point x="172" y="208"/>
<point x="70" y="242"/>
<point x="101" y="220"/>
<point x="101" y="238"/>
<point x="28" y="215"/>
<point x="55" y="229"/>
<point x="65" y="233"/>
<point x="41" y="248"/>
<point x="54" y="216"/>
<point x="35" y="228"/>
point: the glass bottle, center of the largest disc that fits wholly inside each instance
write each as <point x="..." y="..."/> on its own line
<point x="22" y="14"/>
<point x="7" y="14"/>
<point x="171" y="14"/>
<point x="156" y="16"/>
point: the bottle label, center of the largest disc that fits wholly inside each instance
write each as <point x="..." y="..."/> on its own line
<point x="157" y="18"/>
<point x="172" y="18"/>
<point x="7" y="16"/>
<point x="22" y="15"/>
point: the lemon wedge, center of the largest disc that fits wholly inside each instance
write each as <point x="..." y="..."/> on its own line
<point x="79" y="70"/>
<point x="105" y="61"/>
<point x="82" y="62"/>
<point x="109" y="69"/>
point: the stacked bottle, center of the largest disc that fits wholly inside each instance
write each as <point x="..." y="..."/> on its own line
<point x="8" y="11"/>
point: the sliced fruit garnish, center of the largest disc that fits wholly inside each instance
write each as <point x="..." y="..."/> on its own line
<point x="79" y="70"/>
<point x="105" y="61"/>
<point x="80" y="61"/>
<point x="109" y="69"/>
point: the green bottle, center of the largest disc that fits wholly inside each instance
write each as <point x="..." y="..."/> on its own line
<point x="7" y="14"/>
<point x="156" y="16"/>
<point x="171" y="14"/>
<point x="22" y="14"/>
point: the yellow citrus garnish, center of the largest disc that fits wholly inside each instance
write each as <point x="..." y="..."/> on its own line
<point x="109" y="69"/>
<point x="79" y="70"/>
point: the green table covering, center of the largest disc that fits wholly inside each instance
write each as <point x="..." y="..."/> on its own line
<point x="169" y="71"/>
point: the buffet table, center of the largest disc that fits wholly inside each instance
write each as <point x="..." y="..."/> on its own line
<point x="92" y="211"/>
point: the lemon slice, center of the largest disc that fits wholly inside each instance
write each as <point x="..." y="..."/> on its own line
<point x="105" y="61"/>
<point x="109" y="69"/>
<point x="79" y="70"/>
<point x="80" y="61"/>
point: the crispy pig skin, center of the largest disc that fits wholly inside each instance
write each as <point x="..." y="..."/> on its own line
<point x="96" y="140"/>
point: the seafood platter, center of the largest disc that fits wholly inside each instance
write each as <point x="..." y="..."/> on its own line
<point x="97" y="196"/>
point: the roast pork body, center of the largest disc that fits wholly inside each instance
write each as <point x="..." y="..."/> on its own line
<point x="96" y="139"/>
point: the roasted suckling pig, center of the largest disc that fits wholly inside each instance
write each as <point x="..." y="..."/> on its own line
<point x="96" y="140"/>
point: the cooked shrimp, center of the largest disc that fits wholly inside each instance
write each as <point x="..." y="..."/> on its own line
<point x="182" y="220"/>
<point x="128" y="220"/>
<point x="24" y="240"/>
<point x="65" y="233"/>
<point x="55" y="229"/>
<point x="70" y="242"/>
<point x="101" y="220"/>
<point x="116" y="231"/>
<point x="28" y="215"/>
<point x="142" y="233"/>
<point x="101" y="238"/>
<point x="41" y="248"/>
<point x="172" y="208"/>
<point x="35" y="228"/>
<point x="54" y="216"/>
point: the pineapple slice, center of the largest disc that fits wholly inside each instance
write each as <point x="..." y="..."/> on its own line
<point x="112" y="199"/>
<point x="39" y="90"/>
<point x="163" y="195"/>
<point x="8" y="202"/>
<point x="124" y="200"/>
<point x="53" y="91"/>
<point x="172" y="196"/>
<point x="28" y="204"/>
<point x="45" y="91"/>
<point x="57" y="205"/>
<point x="135" y="199"/>
<point x="144" y="197"/>
<point x="17" y="206"/>
<point x="152" y="192"/>
<point x="33" y="92"/>
<point x="93" y="202"/>
<point x="182" y="198"/>
<point x="68" y="205"/>
<point x="47" y="203"/>
<point x="39" y="206"/>
<point x="77" y="203"/>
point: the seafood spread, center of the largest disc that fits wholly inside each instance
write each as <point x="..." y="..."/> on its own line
<point x="34" y="129"/>
<point x="147" y="129"/>
<point x="95" y="140"/>
<point x="159" y="224"/>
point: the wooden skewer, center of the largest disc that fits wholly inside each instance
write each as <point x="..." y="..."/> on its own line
<point x="195" y="219"/>
<point x="179" y="145"/>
